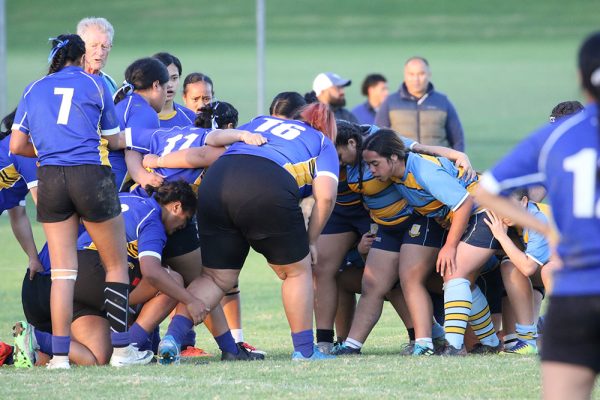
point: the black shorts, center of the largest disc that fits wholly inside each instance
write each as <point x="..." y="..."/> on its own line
<point x="88" y="297"/>
<point x="572" y="331"/>
<point x="248" y="201"/>
<point x="35" y="297"/>
<point x="478" y="234"/>
<point x="88" y="190"/>
<point x="490" y="283"/>
<point x="182" y="241"/>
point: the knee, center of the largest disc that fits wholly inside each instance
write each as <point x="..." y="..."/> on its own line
<point x="176" y="277"/>
<point x="373" y="287"/>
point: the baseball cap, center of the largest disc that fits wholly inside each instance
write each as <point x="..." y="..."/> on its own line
<point x="326" y="80"/>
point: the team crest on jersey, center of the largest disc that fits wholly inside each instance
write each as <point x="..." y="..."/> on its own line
<point x="415" y="230"/>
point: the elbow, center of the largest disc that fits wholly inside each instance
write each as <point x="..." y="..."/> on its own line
<point x="16" y="148"/>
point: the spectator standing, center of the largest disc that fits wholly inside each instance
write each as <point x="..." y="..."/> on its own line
<point x="329" y="89"/>
<point x="375" y="89"/>
<point x="419" y="112"/>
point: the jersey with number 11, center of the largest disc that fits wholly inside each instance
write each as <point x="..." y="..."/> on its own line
<point x="566" y="158"/>
<point x="65" y="114"/>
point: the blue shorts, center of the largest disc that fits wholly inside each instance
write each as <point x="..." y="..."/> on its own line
<point x="343" y="219"/>
<point x="14" y="196"/>
<point x="478" y="234"/>
<point x="415" y="230"/>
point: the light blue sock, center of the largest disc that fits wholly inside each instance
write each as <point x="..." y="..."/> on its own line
<point x="527" y="333"/>
<point x="457" y="307"/>
<point x="480" y="319"/>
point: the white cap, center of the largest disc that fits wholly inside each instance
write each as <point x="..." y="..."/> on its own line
<point x="325" y="80"/>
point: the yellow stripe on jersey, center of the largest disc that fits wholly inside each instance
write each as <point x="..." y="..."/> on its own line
<point x="166" y="117"/>
<point x="302" y="172"/>
<point x="132" y="248"/>
<point x="9" y="176"/>
<point x="433" y="159"/>
<point x="370" y="187"/>
<point x="103" y="150"/>
<point x="389" y="212"/>
<point x="348" y="203"/>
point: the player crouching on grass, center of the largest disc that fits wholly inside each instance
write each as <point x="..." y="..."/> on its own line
<point x="155" y="290"/>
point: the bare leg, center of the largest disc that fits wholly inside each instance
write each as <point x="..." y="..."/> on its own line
<point x="396" y="297"/>
<point x="91" y="341"/>
<point x="331" y="250"/>
<point x="297" y="293"/>
<point x="232" y="307"/>
<point x="348" y="284"/>
<point x="62" y="239"/>
<point x="566" y="381"/>
<point x="520" y="293"/>
<point x="415" y="265"/>
<point x="381" y="272"/>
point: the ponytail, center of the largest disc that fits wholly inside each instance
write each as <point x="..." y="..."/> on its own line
<point x="7" y="123"/>
<point x="65" y="48"/>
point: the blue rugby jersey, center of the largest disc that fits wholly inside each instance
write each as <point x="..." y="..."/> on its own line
<point x="133" y="112"/>
<point x="144" y="230"/>
<point x="181" y="116"/>
<point x="536" y="245"/>
<point x="386" y="205"/>
<point x="17" y="175"/>
<point x="65" y="114"/>
<point x="564" y="156"/>
<point x="433" y="186"/>
<point x="165" y="141"/>
<point x="295" y="146"/>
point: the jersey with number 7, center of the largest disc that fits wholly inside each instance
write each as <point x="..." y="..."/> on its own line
<point x="66" y="114"/>
<point x="565" y="158"/>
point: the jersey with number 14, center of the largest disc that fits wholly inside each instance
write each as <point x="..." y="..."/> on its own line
<point x="65" y="114"/>
<point x="566" y="159"/>
<point x="295" y="146"/>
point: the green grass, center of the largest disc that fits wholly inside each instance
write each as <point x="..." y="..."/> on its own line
<point x="503" y="64"/>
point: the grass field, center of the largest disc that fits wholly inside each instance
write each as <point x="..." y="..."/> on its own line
<point x="504" y="65"/>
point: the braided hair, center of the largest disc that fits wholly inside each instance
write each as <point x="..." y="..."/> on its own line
<point x="66" y="48"/>
<point x="217" y="114"/>
<point x="345" y="131"/>
<point x="286" y="104"/>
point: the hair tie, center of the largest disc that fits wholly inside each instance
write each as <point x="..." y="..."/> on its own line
<point x="55" y="49"/>
<point x="213" y="119"/>
<point x="128" y="88"/>
<point x="595" y="77"/>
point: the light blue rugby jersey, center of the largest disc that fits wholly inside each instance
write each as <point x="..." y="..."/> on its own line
<point x="433" y="186"/>
<point x="295" y="146"/>
<point x="133" y="112"/>
<point x="65" y="114"/>
<point x="165" y="141"/>
<point x="536" y="244"/>
<point x="181" y="116"/>
<point x="563" y="156"/>
<point x="144" y="230"/>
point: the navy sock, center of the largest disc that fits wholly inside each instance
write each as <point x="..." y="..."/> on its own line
<point x="303" y="342"/>
<point x="179" y="327"/>
<point x="44" y="340"/>
<point x="226" y="343"/>
<point x="140" y="337"/>
<point x="189" y="339"/>
<point x="61" y="345"/>
<point x="325" y="335"/>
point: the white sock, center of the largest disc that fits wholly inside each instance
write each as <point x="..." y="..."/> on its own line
<point x="425" y="342"/>
<point x="238" y="335"/>
<point x="354" y="344"/>
<point x="510" y="340"/>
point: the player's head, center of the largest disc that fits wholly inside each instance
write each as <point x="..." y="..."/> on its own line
<point x="286" y="104"/>
<point x="417" y="75"/>
<point x="320" y="117"/>
<point x="375" y="88"/>
<point x="66" y="50"/>
<point x="589" y="65"/>
<point x="6" y="124"/>
<point x="565" y="109"/>
<point x="98" y="34"/>
<point x="518" y="196"/>
<point x="174" y="68"/>
<point x="348" y="142"/>
<point x="148" y="77"/>
<point x="220" y="115"/>
<point x="198" y="91"/>
<point x="382" y="152"/>
<point x="177" y="201"/>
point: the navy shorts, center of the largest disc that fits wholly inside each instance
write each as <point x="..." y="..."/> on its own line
<point x="35" y="297"/>
<point x="478" y="234"/>
<point x="87" y="190"/>
<point x="343" y="219"/>
<point x="418" y="230"/>
<point x="182" y="241"/>
<point x="13" y="196"/>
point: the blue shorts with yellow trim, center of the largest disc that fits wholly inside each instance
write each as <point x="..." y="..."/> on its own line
<point x="354" y="218"/>
<point x="478" y="234"/>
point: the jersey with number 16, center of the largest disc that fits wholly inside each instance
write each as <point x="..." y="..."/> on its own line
<point x="65" y="114"/>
